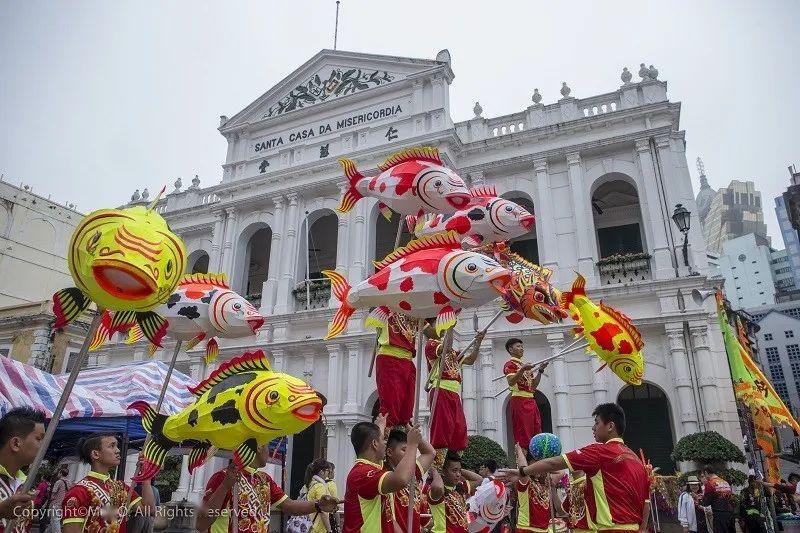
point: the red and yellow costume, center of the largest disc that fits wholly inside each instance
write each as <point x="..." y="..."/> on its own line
<point x="97" y="502"/>
<point x="449" y="513"/>
<point x="574" y="506"/>
<point x="395" y="372"/>
<point x="400" y="501"/>
<point x="616" y="488"/>
<point x="526" y="420"/>
<point x="257" y="494"/>
<point x="448" y="424"/>
<point x="533" y="496"/>
<point x="8" y="486"/>
<point x="366" y="507"/>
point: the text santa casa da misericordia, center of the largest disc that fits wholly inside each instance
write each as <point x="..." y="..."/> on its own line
<point x="322" y="129"/>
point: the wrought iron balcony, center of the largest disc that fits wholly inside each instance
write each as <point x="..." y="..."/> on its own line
<point x="312" y="294"/>
<point x="624" y="268"/>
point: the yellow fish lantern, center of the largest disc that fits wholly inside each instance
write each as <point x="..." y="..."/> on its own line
<point x="126" y="261"/>
<point x="242" y="406"/>
<point x="610" y="334"/>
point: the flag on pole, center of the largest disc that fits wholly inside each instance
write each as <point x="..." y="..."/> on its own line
<point x="750" y="385"/>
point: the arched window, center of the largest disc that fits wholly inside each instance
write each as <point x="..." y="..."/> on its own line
<point x="386" y="234"/>
<point x="648" y="424"/>
<point x="526" y="245"/>
<point x="620" y="231"/>
<point x="318" y="253"/>
<point x="257" y="264"/>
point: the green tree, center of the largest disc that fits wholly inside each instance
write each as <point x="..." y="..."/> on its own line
<point x="710" y="448"/>
<point x="481" y="448"/>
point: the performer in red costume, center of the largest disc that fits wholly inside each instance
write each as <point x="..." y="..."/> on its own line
<point x="525" y="417"/>
<point x="448" y="424"/>
<point x="395" y="372"/>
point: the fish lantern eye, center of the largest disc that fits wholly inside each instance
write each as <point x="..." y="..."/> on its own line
<point x="273" y="396"/>
<point x="91" y="246"/>
<point x="168" y="270"/>
<point x="437" y="183"/>
<point x="238" y="306"/>
<point x="509" y="208"/>
<point x="472" y="267"/>
<point x="538" y="296"/>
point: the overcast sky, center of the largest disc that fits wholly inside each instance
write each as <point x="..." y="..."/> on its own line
<point x="98" y="98"/>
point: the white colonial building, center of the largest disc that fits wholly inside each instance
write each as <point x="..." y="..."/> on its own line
<point x="602" y="175"/>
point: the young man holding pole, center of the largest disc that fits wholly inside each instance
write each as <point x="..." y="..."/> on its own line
<point x="395" y="373"/>
<point x="618" y="487"/>
<point x="366" y="503"/>
<point x="525" y="417"/>
<point x="258" y="493"/>
<point x="448" y="493"/>
<point x="21" y="433"/>
<point x="97" y="502"/>
<point x="448" y="424"/>
<point x="396" y="448"/>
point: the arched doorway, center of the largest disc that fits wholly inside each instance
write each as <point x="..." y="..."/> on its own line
<point x="649" y="424"/>
<point x="619" y="230"/>
<point x="544" y="410"/>
<point x="317" y="253"/>
<point x="306" y="446"/>
<point x="526" y="245"/>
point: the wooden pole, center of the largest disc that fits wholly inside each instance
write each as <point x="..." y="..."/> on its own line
<point x="412" y="490"/>
<point x="62" y="402"/>
<point x="484" y="330"/>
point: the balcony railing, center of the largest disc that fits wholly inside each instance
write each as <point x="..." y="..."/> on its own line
<point x="312" y="294"/>
<point x="624" y="268"/>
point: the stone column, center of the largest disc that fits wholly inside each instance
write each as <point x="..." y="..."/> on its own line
<point x="289" y="252"/>
<point x="353" y="377"/>
<point x="343" y="239"/>
<point x="182" y="492"/>
<point x="334" y="377"/>
<point x="278" y="359"/>
<point x="652" y="210"/>
<point x="563" y="419"/>
<point x="599" y="382"/>
<point x="228" y="251"/>
<point x="470" y="398"/>
<point x="358" y="250"/>
<point x="584" y="223"/>
<point x="706" y="377"/>
<point x="217" y="239"/>
<point x="270" y="290"/>
<point x="331" y="427"/>
<point x="545" y="221"/>
<point x="490" y="417"/>
<point x="41" y="349"/>
<point x="681" y="377"/>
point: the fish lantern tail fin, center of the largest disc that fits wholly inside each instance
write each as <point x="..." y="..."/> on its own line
<point x="157" y="447"/>
<point x="340" y="288"/>
<point x="578" y="288"/>
<point x="352" y="195"/>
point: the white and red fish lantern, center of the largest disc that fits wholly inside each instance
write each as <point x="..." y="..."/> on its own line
<point x="487" y="506"/>
<point x="485" y="220"/>
<point x="411" y="182"/>
<point x="204" y="307"/>
<point x="429" y="277"/>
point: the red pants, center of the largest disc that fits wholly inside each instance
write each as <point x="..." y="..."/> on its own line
<point x="525" y="420"/>
<point x="396" y="379"/>
<point x="448" y="425"/>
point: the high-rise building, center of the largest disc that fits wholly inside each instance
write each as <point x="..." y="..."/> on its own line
<point x="791" y="237"/>
<point x="734" y="211"/>
<point x="747" y="268"/>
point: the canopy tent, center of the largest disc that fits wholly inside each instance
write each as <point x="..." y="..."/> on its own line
<point x="99" y="400"/>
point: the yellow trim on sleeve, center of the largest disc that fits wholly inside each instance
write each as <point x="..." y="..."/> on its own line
<point x="73" y="520"/>
<point x="380" y="482"/>
<point x="134" y="502"/>
<point x="277" y="503"/>
<point x="566" y="460"/>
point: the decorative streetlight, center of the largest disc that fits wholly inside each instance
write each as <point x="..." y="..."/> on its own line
<point x="683" y="219"/>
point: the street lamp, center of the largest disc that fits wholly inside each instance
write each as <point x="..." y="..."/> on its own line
<point x="683" y="219"/>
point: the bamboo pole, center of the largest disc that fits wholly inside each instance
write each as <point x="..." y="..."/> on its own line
<point x="412" y="490"/>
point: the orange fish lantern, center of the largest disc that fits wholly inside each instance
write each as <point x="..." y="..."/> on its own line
<point x="609" y="334"/>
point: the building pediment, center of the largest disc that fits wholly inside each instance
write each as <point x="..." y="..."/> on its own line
<point x="331" y="75"/>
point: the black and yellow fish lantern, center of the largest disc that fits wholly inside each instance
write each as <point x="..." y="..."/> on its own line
<point x="126" y="261"/>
